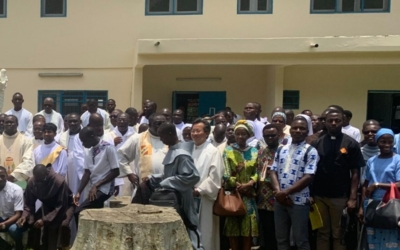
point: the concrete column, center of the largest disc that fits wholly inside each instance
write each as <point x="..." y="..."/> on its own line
<point x="274" y="95"/>
<point x="137" y="88"/>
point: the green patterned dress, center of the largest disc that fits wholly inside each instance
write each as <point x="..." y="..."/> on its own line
<point x="241" y="166"/>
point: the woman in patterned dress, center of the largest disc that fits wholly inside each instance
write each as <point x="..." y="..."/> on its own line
<point x="241" y="174"/>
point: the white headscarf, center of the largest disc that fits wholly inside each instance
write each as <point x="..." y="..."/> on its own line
<point x="308" y="119"/>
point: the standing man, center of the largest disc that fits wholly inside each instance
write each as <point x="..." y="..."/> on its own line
<point x="51" y="152"/>
<point x="2" y="119"/>
<point x="250" y="113"/>
<point x="93" y="109"/>
<point x="51" y="115"/>
<point x="218" y="135"/>
<point x="133" y="118"/>
<point x="167" y="113"/>
<point x="210" y="166"/>
<point x="101" y="169"/>
<point x="149" y="108"/>
<point x="15" y="151"/>
<point x="57" y="207"/>
<point x="336" y="180"/>
<point x="24" y="116"/>
<point x="177" y="119"/>
<point x="146" y="150"/>
<point x="289" y="116"/>
<point x="348" y="129"/>
<point x="181" y="175"/>
<point x="76" y="153"/>
<point x="292" y="173"/>
<point x="11" y="207"/>
<point x="114" y="119"/>
<point x="37" y="138"/>
<point x="111" y="105"/>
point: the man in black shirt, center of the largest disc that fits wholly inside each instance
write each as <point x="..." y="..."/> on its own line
<point x="336" y="180"/>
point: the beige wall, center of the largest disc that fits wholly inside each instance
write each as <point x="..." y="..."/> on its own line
<point x="347" y="86"/>
<point x="27" y="81"/>
<point x="242" y="83"/>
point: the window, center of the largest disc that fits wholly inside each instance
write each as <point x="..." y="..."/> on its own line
<point x="174" y="7"/>
<point x="254" y="6"/>
<point x="66" y="102"/>
<point x="54" y="8"/>
<point x="349" y="6"/>
<point x="3" y="8"/>
<point x="291" y="99"/>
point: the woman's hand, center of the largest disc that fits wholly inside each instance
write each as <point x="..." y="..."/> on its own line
<point x="370" y="190"/>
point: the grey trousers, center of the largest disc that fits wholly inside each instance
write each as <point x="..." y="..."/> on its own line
<point x="295" y="218"/>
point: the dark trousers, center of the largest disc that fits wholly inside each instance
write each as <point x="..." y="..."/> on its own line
<point x="223" y="241"/>
<point x="267" y="230"/>
<point x="97" y="203"/>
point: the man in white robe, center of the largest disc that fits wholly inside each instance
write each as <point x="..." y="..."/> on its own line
<point x="51" y="115"/>
<point x="218" y="135"/>
<point x="119" y="135"/>
<point x="209" y="163"/>
<point x="146" y="150"/>
<point x="177" y="119"/>
<point x="76" y="153"/>
<point x="37" y="138"/>
<point x="15" y="151"/>
<point x="51" y="152"/>
<point x="23" y="115"/>
<point x="149" y="108"/>
<point x="93" y="109"/>
<point x="133" y="118"/>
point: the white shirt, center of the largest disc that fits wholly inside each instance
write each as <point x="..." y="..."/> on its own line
<point x="11" y="200"/>
<point x="24" y="120"/>
<point x="60" y="165"/>
<point x="352" y="132"/>
<point x="101" y="164"/>
<point x="180" y="126"/>
<point x="144" y="120"/>
<point x="55" y="118"/>
<point x="106" y="118"/>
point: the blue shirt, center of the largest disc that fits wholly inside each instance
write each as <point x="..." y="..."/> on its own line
<point x="290" y="166"/>
<point x="384" y="170"/>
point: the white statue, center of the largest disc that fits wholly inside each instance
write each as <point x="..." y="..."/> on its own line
<point x="3" y="86"/>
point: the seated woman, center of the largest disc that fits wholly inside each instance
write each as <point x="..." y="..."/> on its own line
<point x="381" y="171"/>
<point x="241" y="174"/>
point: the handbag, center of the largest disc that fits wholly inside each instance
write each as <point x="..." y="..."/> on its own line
<point x="384" y="214"/>
<point x="229" y="203"/>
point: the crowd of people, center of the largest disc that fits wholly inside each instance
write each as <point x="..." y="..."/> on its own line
<point x="53" y="168"/>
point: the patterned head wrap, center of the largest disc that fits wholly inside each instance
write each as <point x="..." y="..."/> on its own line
<point x="279" y="114"/>
<point x="383" y="131"/>
<point x="246" y="125"/>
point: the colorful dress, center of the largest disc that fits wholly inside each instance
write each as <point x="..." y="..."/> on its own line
<point x="382" y="170"/>
<point x="241" y="166"/>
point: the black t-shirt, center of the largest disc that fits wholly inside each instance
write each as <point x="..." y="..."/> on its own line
<point x="337" y="157"/>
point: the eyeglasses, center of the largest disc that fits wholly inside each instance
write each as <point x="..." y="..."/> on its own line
<point x="269" y="136"/>
<point x="366" y="132"/>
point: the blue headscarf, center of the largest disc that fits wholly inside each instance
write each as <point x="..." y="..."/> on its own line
<point x="383" y="131"/>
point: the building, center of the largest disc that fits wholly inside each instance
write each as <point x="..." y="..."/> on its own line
<point x="303" y="53"/>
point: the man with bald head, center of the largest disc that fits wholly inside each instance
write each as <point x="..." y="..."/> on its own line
<point x="51" y="115"/>
<point x="15" y="151"/>
<point x="146" y="150"/>
<point x="218" y="135"/>
<point x="94" y="109"/>
<point x="23" y="115"/>
<point x="149" y="108"/>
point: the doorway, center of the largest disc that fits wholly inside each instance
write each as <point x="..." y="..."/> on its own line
<point x="384" y="106"/>
<point x="198" y="104"/>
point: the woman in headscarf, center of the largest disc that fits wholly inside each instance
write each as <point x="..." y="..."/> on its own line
<point x="381" y="171"/>
<point x="241" y="174"/>
<point x="279" y="118"/>
<point x="309" y="138"/>
<point x="187" y="136"/>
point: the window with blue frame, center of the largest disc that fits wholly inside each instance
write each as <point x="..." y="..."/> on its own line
<point x="291" y="99"/>
<point x="3" y="8"/>
<point x="174" y="7"/>
<point x="349" y="6"/>
<point x="254" y="6"/>
<point x="70" y="101"/>
<point x="53" y="8"/>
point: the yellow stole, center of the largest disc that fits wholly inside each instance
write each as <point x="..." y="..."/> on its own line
<point x="52" y="157"/>
<point x="146" y="155"/>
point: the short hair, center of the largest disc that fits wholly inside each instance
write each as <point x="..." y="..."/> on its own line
<point x="228" y="109"/>
<point x="334" y="111"/>
<point x="17" y="93"/>
<point x="348" y="113"/>
<point x="49" y="126"/>
<point x="306" y="111"/>
<point x="111" y="100"/>
<point x="167" y="128"/>
<point x="154" y="104"/>
<point x="4" y="169"/>
<point x="131" y="111"/>
<point x="207" y="126"/>
<point x="92" y="101"/>
<point x="87" y="132"/>
<point x="301" y="118"/>
<point x="74" y="113"/>
<point x="34" y="119"/>
<point x="269" y="126"/>
<point x="13" y="116"/>
<point x="337" y="107"/>
<point x="154" y="115"/>
<point x="371" y="122"/>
